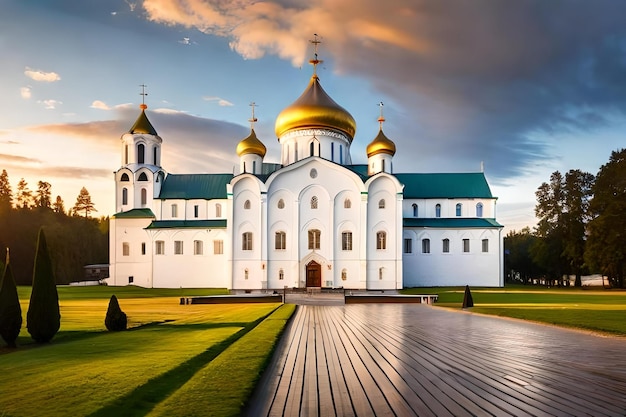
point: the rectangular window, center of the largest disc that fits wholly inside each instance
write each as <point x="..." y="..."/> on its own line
<point x="381" y="240"/>
<point x="446" y="246"/>
<point x="466" y="245"/>
<point x="314" y="239"/>
<point x="131" y="279"/>
<point x="178" y="247"/>
<point x="159" y="247"/>
<point x="143" y="248"/>
<point x="246" y="241"/>
<point x="485" y="245"/>
<point x="408" y="245"/>
<point x="346" y="241"/>
<point x="280" y="239"/>
<point x="125" y="249"/>
<point x="174" y="210"/>
<point x="218" y="247"/>
<point x="197" y="247"/>
<point x="196" y="210"/>
<point x="425" y="245"/>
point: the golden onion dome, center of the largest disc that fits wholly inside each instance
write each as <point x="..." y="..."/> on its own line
<point x="315" y="109"/>
<point x="251" y="145"/>
<point x="381" y="144"/>
<point x="142" y="124"/>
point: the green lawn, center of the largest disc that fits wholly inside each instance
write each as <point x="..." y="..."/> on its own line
<point x="591" y="309"/>
<point x="86" y="370"/>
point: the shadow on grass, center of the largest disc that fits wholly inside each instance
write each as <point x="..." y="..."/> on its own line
<point x="145" y="397"/>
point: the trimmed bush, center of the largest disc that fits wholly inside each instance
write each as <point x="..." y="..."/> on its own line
<point x="10" y="310"/>
<point x="115" y="319"/>
<point x="43" y="318"/>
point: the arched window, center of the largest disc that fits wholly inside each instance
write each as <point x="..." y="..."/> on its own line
<point x="459" y="208"/>
<point x="198" y="248"/>
<point x="246" y="205"/>
<point x="347" y="203"/>
<point x="218" y="210"/>
<point x="381" y="272"/>
<point x="381" y="203"/>
<point x="144" y="197"/>
<point x="246" y="273"/>
<point x="141" y="153"/>
<point x="280" y="241"/>
<point x="381" y="240"/>
<point x="281" y="274"/>
<point x="281" y="204"/>
<point x="314" y="238"/>
<point x="446" y="246"/>
<point x="246" y="241"/>
<point x="314" y="202"/>
<point x="155" y="160"/>
<point x="438" y="210"/>
<point x="124" y="177"/>
<point x="341" y="154"/>
<point x="254" y="167"/>
<point x="311" y="149"/>
<point x="124" y="196"/>
<point x="425" y="245"/>
<point x="479" y="210"/>
<point x="332" y="151"/>
<point x="142" y="177"/>
<point x="126" y="154"/>
<point x="414" y="210"/>
<point x="344" y="274"/>
<point x="382" y="168"/>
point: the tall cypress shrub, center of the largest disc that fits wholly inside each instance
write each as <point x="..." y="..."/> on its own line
<point x="43" y="318"/>
<point x="10" y="310"/>
<point x="115" y="319"/>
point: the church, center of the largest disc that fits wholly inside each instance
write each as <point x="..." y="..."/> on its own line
<point x="314" y="220"/>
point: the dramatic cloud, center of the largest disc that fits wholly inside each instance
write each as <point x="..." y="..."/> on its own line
<point x="220" y="101"/>
<point x="472" y="81"/>
<point x="38" y="75"/>
<point x="101" y="105"/>
<point x="25" y="93"/>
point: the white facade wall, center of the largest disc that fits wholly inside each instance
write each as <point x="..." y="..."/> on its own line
<point x="130" y="233"/>
<point x="426" y="208"/>
<point x="474" y="268"/>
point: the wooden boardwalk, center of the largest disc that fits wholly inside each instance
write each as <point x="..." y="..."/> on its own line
<point x="416" y="360"/>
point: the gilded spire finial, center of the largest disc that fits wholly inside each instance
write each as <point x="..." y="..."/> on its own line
<point x="253" y="119"/>
<point x="315" y="62"/>
<point x="381" y="118"/>
<point x="143" y="95"/>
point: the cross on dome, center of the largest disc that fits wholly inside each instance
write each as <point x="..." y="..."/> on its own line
<point x="143" y="95"/>
<point x="253" y="119"/>
<point x="315" y="62"/>
<point x="381" y="118"/>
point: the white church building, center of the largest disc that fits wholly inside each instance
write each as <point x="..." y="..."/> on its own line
<point x="314" y="220"/>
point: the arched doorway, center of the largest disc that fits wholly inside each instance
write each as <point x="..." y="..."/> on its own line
<point x="313" y="274"/>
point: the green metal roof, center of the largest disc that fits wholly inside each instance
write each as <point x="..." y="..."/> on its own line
<point x="135" y="214"/>
<point x="195" y="186"/>
<point x="446" y="185"/>
<point x="450" y="223"/>
<point x="189" y="224"/>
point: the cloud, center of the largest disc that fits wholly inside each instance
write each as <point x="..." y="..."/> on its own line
<point x="50" y="104"/>
<point x="25" y="92"/>
<point x="17" y="159"/>
<point x="470" y="81"/>
<point x="39" y="75"/>
<point x="220" y="101"/>
<point x="101" y="105"/>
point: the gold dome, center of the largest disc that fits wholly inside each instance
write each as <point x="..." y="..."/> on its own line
<point x="251" y="145"/>
<point x="381" y="144"/>
<point x="142" y="124"/>
<point x="315" y="109"/>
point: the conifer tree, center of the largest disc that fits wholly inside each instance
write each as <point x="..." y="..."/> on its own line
<point x="115" y="319"/>
<point x="10" y="310"/>
<point x="83" y="203"/>
<point x="6" y="196"/>
<point x="43" y="318"/>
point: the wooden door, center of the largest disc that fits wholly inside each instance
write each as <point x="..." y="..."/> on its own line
<point x="313" y="274"/>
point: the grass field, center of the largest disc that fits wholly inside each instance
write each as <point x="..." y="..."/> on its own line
<point x="591" y="309"/>
<point x="87" y="370"/>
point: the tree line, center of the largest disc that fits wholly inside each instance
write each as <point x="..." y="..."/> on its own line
<point x="75" y="239"/>
<point x="581" y="228"/>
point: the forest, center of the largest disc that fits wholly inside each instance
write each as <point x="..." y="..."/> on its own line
<point x="75" y="239"/>
<point x="581" y="228"/>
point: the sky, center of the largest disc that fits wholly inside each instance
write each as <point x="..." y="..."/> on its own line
<point x="520" y="88"/>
